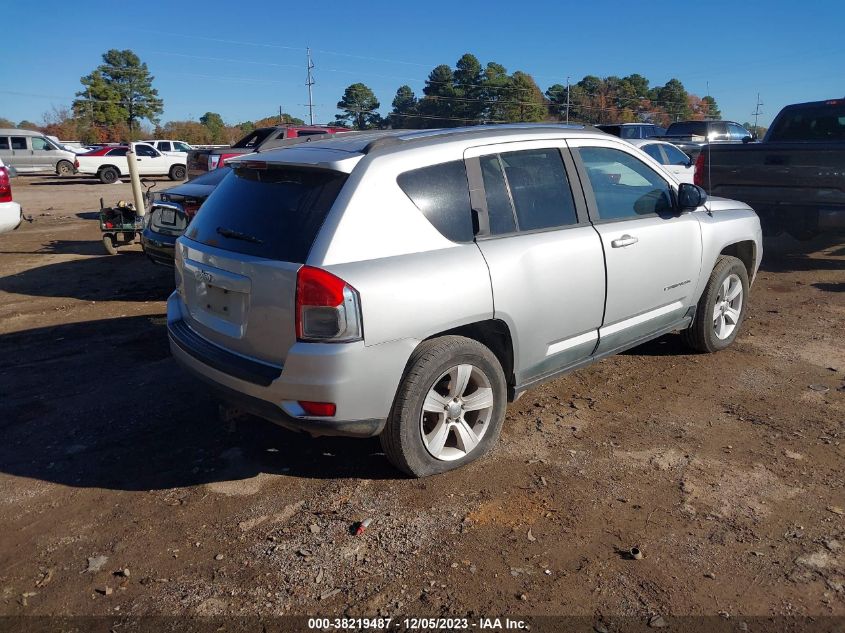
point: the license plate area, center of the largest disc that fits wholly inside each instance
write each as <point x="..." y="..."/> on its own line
<point x="168" y="217"/>
<point x="217" y="299"/>
<point x="221" y="303"/>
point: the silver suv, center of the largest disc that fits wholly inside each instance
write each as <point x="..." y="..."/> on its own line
<point x="411" y="284"/>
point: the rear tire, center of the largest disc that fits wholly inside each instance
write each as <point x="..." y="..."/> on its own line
<point x="462" y="386"/>
<point x="64" y="168"/>
<point x="108" y="175"/>
<point x="177" y="172"/>
<point x="721" y="309"/>
<point x="109" y="243"/>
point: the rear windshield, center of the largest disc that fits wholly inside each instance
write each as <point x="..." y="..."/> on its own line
<point x="688" y="128"/>
<point x="273" y="213"/>
<point x="254" y="139"/>
<point x="810" y="123"/>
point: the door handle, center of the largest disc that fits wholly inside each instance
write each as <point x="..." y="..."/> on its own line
<point x="625" y="240"/>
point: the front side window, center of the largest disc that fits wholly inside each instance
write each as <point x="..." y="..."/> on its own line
<point x="624" y="187"/>
<point x="719" y="131"/>
<point x="145" y="150"/>
<point x="441" y="193"/>
<point x="18" y="142"/>
<point x="737" y="132"/>
<point x="630" y="131"/>
<point x="40" y="143"/>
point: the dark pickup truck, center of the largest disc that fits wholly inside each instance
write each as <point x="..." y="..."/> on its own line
<point x="201" y="161"/>
<point x="794" y="179"/>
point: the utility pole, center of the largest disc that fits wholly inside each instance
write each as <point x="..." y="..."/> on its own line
<point x="310" y="82"/>
<point x="280" y="115"/>
<point x="756" y="114"/>
<point x="567" y="99"/>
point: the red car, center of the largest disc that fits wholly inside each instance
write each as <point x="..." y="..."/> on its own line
<point x="204" y="160"/>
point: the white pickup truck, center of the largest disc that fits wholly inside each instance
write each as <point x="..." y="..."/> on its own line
<point x="109" y="163"/>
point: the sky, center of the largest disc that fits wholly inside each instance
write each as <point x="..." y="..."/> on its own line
<point x="244" y="60"/>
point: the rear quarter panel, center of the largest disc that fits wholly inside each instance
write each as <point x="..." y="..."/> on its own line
<point x="413" y="281"/>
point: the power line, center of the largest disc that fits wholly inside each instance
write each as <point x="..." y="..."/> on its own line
<point x="756" y="114"/>
<point x="310" y="82"/>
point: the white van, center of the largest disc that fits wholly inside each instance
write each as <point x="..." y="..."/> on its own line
<point x="31" y="152"/>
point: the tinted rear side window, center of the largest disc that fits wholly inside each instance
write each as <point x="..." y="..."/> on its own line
<point x="539" y="188"/>
<point x="610" y="129"/>
<point x="810" y="123"/>
<point x="441" y="192"/>
<point x="254" y="139"/>
<point x="688" y="128"/>
<point x="273" y="213"/>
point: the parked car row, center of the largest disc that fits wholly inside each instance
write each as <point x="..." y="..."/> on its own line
<point x="110" y="164"/>
<point x="202" y="160"/>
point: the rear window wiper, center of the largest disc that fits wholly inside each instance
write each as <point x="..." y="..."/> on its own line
<point x="237" y="235"/>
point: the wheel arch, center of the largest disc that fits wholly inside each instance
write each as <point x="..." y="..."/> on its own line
<point x="496" y="336"/>
<point x="746" y="252"/>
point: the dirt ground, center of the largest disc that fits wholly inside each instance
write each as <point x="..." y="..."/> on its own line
<point x="726" y="470"/>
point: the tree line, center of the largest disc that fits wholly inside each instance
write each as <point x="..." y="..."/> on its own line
<point x="472" y="94"/>
<point x="117" y="102"/>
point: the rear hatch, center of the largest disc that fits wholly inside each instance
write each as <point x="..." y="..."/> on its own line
<point x="240" y="256"/>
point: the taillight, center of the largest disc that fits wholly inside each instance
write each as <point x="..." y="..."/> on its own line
<point x="5" y="186"/>
<point x="76" y="163"/>
<point x="225" y="157"/>
<point x="327" y="308"/>
<point x="213" y="161"/>
<point x="190" y="209"/>
<point x="698" y="176"/>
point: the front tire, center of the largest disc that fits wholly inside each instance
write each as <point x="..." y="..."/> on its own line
<point x="449" y="407"/>
<point x="64" y="168"/>
<point x="177" y="172"/>
<point x="722" y="307"/>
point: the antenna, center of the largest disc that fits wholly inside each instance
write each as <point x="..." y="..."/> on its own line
<point x="757" y="112"/>
<point x="310" y="82"/>
<point x="567" y="99"/>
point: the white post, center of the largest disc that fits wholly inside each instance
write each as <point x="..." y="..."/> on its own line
<point x="135" y="180"/>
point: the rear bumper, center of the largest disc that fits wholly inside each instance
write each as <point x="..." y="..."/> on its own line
<point x="159" y="248"/>
<point x="360" y="380"/>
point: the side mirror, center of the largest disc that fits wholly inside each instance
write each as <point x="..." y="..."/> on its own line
<point x="690" y="196"/>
